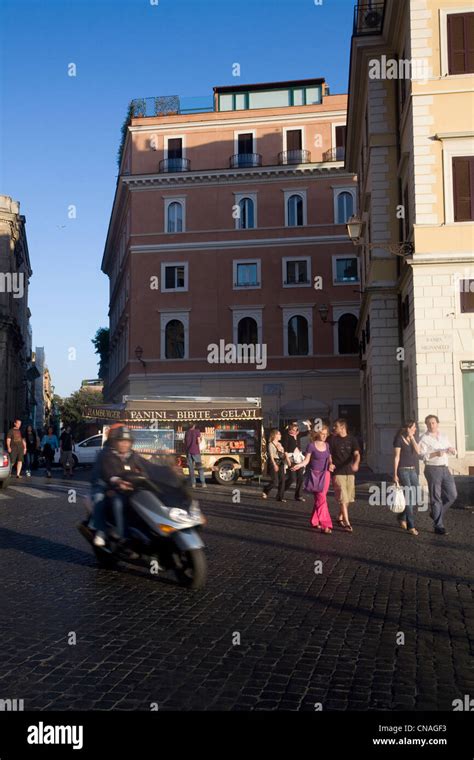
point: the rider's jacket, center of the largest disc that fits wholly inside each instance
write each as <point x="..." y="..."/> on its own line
<point x="111" y="465"/>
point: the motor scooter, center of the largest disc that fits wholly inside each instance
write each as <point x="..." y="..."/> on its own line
<point x="164" y="524"/>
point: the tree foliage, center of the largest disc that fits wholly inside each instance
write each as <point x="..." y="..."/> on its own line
<point x="72" y="410"/>
<point x="100" y="342"/>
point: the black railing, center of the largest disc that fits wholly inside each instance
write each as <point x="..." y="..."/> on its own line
<point x="175" y="165"/>
<point x="368" y="18"/>
<point x="242" y="160"/>
<point x="294" y="157"/>
<point x="246" y="284"/>
<point x="296" y="282"/>
<point x="335" y="154"/>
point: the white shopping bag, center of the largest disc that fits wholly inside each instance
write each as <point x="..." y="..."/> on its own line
<point x="396" y="500"/>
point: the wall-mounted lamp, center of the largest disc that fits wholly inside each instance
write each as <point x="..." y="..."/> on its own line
<point x="323" y="312"/>
<point x="139" y="354"/>
<point x="354" y="230"/>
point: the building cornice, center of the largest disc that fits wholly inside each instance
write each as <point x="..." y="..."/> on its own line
<point x="216" y="176"/>
<point x="239" y="243"/>
<point x="225" y="121"/>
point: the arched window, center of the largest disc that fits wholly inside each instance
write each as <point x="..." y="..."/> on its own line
<point x="346" y="333"/>
<point x="345" y="207"/>
<point x="174" y="339"/>
<point x="298" y="336"/>
<point x="295" y="211"/>
<point x="247" y="216"/>
<point x="247" y="331"/>
<point x="175" y="217"/>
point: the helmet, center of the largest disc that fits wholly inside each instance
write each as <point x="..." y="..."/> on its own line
<point x="119" y="433"/>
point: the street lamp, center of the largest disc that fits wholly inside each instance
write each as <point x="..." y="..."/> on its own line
<point x="323" y="312"/>
<point x="355" y="228"/>
<point x="139" y="354"/>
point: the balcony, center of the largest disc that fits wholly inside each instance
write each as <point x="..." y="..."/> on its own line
<point x="245" y="160"/>
<point x="175" y="165"/>
<point x="368" y="19"/>
<point x="294" y="157"/>
<point x="335" y="154"/>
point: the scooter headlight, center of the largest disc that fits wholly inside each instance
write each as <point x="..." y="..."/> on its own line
<point x="179" y="515"/>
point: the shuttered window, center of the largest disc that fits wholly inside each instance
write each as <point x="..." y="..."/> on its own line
<point x="463" y="188"/>
<point x="461" y="43"/>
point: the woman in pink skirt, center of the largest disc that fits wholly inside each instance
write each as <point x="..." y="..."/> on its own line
<point x="319" y="463"/>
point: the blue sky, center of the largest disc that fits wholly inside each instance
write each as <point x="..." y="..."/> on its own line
<point x="60" y="134"/>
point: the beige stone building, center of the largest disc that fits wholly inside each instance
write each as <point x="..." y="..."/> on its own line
<point x="15" y="331"/>
<point x="411" y="141"/>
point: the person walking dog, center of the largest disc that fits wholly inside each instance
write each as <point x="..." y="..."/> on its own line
<point x="434" y="448"/>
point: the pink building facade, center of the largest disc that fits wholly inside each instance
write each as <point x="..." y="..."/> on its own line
<point x="228" y="232"/>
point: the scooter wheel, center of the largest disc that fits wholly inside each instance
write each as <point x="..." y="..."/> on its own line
<point x="191" y="569"/>
<point x="106" y="560"/>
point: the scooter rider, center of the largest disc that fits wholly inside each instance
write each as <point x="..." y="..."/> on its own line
<point x="114" y="461"/>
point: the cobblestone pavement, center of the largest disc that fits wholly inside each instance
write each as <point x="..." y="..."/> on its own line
<point x="305" y="637"/>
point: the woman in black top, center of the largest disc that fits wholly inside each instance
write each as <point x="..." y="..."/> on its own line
<point x="405" y="472"/>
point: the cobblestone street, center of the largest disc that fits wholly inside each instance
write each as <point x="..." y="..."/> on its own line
<point x="305" y="637"/>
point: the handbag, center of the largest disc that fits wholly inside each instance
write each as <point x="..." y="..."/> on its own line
<point x="314" y="481"/>
<point x="396" y="500"/>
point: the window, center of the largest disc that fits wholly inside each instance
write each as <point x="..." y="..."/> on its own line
<point x="296" y="271"/>
<point x="247" y="331"/>
<point x="175" y="147"/>
<point x="174" y="276"/>
<point x="294" y="139"/>
<point x="463" y="188"/>
<point x="345" y="270"/>
<point x="245" y="143"/>
<point x="345" y="207"/>
<point x="340" y="135"/>
<point x="246" y="219"/>
<point x="460" y="30"/>
<point x="174" y="339"/>
<point x="344" y="204"/>
<point x="346" y="333"/>
<point x="246" y="273"/>
<point x="295" y="211"/>
<point x="467" y="296"/>
<point x="298" y="344"/>
<point x="468" y="403"/>
<point x="174" y="343"/>
<point x="174" y="217"/>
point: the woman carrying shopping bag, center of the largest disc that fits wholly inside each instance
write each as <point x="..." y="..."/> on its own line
<point x="406" y="455"/>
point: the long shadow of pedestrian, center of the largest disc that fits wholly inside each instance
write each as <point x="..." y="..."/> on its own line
<point x="326" y="552"/>
<point x="43" y="548"/>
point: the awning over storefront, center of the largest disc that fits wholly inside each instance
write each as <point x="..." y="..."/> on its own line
<point x="180" y="409"/>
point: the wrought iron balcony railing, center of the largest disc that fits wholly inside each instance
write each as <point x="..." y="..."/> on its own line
<point x="175" y="165"/>
<point x="243" y="160"/>
<point x="246" y="284"/>
<point x="294" y="157"/>
<point x="368" y="18"/>
<point x="335" y="154"/>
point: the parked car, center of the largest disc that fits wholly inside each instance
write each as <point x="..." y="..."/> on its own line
<point x="85" y="451"/>
<point x="5" y="469"/>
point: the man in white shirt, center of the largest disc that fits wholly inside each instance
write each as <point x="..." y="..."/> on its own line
<point x="434" y="448"/>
